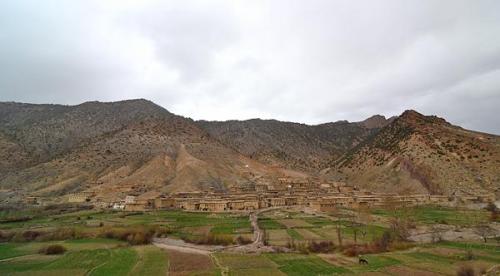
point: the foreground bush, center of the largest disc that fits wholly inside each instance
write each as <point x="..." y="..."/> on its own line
<point x="6" y="236"/>
<point x="58" y="234"/>
<point x="465" y="271"/>
<point x="311" y="246"/>
<point x="210" y="239"/>
<point x="321" y="247"/>
<point x="134" y="236"/>
<point x="243" y="240"/>
<point x="54" y="249"/>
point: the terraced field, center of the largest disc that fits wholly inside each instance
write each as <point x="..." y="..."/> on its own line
<point x="84" y="257"/>
<point x="100" y="256"/>
<point x="426" y="260"/>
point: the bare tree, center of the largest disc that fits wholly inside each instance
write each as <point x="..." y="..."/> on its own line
<point x="339" y="234"/>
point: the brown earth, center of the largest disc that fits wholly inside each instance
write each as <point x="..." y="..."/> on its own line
<point x="133" y="147"/>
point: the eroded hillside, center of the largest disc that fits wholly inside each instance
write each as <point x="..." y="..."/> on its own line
<point x="418" y="153"/>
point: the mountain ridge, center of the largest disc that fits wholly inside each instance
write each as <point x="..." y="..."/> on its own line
<point x="136" y="146"/>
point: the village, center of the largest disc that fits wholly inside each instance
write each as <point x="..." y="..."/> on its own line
<point x="319" y="196"/>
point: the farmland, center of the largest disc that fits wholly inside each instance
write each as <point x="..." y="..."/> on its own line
<point x="94" y="246"/>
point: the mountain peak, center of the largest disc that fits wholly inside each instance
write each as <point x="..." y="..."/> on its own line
<point x="375" y="121"/>
<point x="414" y="117"/>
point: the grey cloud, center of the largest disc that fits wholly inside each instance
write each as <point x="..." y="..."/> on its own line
<point x="310" y="62"/>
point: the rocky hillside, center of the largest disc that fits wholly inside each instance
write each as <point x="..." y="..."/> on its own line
<point x="417" y="153"/>
<point x="293" y="145"/>
<point x="114" y="149"/>
<point x="134" y="147"/>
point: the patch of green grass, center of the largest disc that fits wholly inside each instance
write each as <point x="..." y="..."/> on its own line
<point x="11" y="250"/>
<point x="267" y="223"/>
<point x="294" y="234"/>
<point x="152" y="261"/>
<point x="431" y="214"/>
<point x="296" y="264"/>
<point x="121" y="261"/>
<point x="97" y="262"/>
<point x="8" y="267"/>
<point x="376" y="262"/>
<point x="425" y="256"/>
<point x="495" y="249"/>
<point x="242" y="261"/>
<point x="319" y="221"/>
<point x="86" y="260"/>
<point x="232" y="227"/>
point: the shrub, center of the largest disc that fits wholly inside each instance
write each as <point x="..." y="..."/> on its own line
<point x="353" y="250"/>
<point x="321" y="247"/>
<point x="465" y="270"/>
<point x="60" y="234"/>
<point x="134" y="236"/>
<point x="6" y="236"/>
<point x="54" y="249"/>
<point x="383" y="243"/>
<point x="243" y="240"/>
<point x="26" y="236"/>
<point x="210" y="239"/>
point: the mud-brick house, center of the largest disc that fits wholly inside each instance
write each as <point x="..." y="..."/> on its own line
<point x="164" y="203"/>
<point x="130" y="199"/>
<point x="213" y="205"/>
<point x="251" y="204"/>
<point x="440" y="200"/>
<point x="188" y="204"/>
<point x="32" y="200"/>
<point x="261" y="187"/>
<point x="236" y="204"/>
<point x="103" y="204"/>
<point x="274" y="202"/>
<point x="368" y="201"/>
<point x="140" y="205"/>
<point x="291" y="201"/>
<point x="322" y="205"/>
<point x="78" y="198"/>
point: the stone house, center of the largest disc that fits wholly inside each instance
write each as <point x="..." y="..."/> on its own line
<point x="78" y="198"/>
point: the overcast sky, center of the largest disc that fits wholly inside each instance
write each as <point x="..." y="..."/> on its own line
<point x="304" y="61"/>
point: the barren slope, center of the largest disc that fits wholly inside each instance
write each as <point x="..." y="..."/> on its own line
<point x="150" y="150"/>
<point x="292" y="145"/>
<point x="418" y="153"/>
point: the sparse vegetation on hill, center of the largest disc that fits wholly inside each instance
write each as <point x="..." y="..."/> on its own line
<point x="133" y="147"/>
<point x="423" y="154"/>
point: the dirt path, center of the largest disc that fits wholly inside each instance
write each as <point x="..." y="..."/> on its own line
<point x="257" y="244"/>
<point x="183" y="249"/>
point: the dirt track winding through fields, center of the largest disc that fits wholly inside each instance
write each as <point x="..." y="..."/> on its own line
<point x="256" y="246"/>
<point x="183" y="249"/>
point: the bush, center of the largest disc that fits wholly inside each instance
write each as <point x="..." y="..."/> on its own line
<point x="6" y="236"/>
<point x="210" y="239"/>
<point x="134" y="236"/>
<point x="26" y="236"/>
<point x="243" y="240"/>
<point x="321" y="247"/>
<point x="353" y="250"/>
<point x="465" y="271"/>
<point x="61" y="234"/>
<point x="54" y="249"/>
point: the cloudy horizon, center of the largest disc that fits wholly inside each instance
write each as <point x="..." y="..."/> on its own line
<point x="309" y="62"/>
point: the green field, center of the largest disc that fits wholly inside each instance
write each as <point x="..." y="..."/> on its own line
<point x="93" y="257"/>
<point x="434" y="214"/>
<point x="104" y="256"/>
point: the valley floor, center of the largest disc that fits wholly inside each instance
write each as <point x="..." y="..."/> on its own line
<point x="90" y="252"/>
